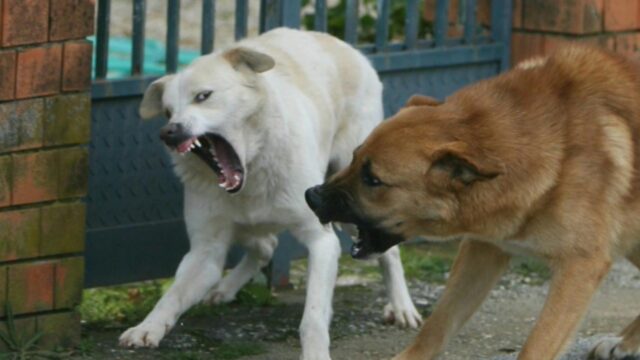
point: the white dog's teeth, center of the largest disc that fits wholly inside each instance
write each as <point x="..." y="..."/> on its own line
<point x="237" y="177"/>
<point x="197" y="142"/>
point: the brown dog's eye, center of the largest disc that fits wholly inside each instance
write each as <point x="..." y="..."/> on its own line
<point x="368" y="178"/>
<point x="167" y="113"/>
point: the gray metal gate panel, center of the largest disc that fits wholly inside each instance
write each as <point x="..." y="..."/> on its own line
<point x="135" y="229"/>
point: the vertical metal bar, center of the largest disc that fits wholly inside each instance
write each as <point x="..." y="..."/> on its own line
<point x="470" y="21"/>
<point x="269" y="14"/>
<point x="102" y="38"/>
<point x="173" y="34"/>
<point x="242" y="14"/>
<point x="351" y="22"/>
<point x="320" y="21"/>
<point x="291" y="13"/>
<point x="382" y="24"/>
<point x="208" y="26"/>
<point x="137" y="43"/>
<point x="411" y="24"/>
<point x="501" y="28"/>
<point x="442" y="21"/>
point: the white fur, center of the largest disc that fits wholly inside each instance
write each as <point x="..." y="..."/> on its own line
<point x="287" y="125"/>
<point x="609" y="349"/>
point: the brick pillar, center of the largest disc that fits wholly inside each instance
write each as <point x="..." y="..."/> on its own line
<point x="45" y="68"/>
<point x="540" y="26"/>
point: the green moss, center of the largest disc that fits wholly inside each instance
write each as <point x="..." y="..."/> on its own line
<point x="427" y="262"/>
<point x="534" y="270"/>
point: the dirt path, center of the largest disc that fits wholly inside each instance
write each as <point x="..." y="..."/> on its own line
<point x="499" y="329"/>
<point x="270" y="332"/>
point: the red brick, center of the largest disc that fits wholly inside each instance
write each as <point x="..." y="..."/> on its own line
<point x="31" y="287"/>
<point x="430" y="10"/>
<point x="34" y="177"/>
<point x="605" y="41"/>
<point x="3" y="290"/>
<point x="62" y="229"/>
<point x="627" y="44"/>
<point x="19" y="234"/>
<point x="5" y="181"/>
<point x="68" y="119"/>
<point x="74" y="172"/>
<point x="76" y="67"/>
<point x="69" y="282"/>
<point x="21" y="124"/>
<point x="563" y="16"/>
<point x="7" y="75"/>
<point x="60" y="331"/>
<point x="24" y="22"/>
<point x="39" y="71"/>
<point x="517" y="14"/>
<point x="71" y="19"/>
<point x="621" y="15"/>
<point x="484" y="12"/>
<point x="526" y="45"/>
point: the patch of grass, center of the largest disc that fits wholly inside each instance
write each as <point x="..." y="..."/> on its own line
<point x="126" y="305"/>
<point x="535" y="270"/>
<point x="120" y="305"/>
<point x="427" y="262"/>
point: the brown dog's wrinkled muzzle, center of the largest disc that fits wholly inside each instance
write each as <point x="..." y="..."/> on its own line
<point x="332" y="205"/>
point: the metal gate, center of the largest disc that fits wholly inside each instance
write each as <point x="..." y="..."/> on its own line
<point x="135" y="229"/>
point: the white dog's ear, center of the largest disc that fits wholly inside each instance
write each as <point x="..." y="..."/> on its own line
<point x="254" y="60"/>
<point x="151" y="104"/>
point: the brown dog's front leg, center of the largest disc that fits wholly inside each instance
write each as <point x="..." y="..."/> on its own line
<point x="572" y="286"/>
<point x="475" y="271"/>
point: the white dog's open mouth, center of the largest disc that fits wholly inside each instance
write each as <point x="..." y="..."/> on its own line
<point x="216" y="152"/>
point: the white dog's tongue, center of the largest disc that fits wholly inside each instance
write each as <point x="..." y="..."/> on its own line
<point x="230" y="178"/>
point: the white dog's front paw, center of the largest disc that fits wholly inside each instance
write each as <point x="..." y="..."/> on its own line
<point x="609" y="348"/>
<point x="402" y="315"/>
<point x="216" y="297"/>
<point x="144" y="335"/>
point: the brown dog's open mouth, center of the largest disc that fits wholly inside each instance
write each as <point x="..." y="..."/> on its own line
<point x="216" y="152"/>
<point x="373" y="240"/>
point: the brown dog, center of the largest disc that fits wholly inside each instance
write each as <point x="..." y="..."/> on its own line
<point x="543" y="160"/>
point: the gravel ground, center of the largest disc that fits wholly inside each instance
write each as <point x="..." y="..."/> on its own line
<point x="496" y="332"/>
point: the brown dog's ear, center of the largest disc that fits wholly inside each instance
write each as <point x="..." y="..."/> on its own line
<point x="422" y="100"/>
<point x="151" y="104"/>
<point x="254" y="60"/>
<point x="464" y="164"/>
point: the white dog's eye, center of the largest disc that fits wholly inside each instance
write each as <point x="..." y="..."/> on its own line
<point x="202" y="96"/>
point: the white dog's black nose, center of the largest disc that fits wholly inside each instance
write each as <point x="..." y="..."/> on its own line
<point x="174" y="134"/>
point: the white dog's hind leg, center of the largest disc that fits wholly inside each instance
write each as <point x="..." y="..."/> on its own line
<point x="324" y="252"/>
<point x="400" y="308"/>
<point x="259" y="252"/>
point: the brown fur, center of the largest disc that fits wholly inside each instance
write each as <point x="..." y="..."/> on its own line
<point x="543" y="160"/>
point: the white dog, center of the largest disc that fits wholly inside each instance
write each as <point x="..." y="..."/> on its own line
<point x="252" y="128"/>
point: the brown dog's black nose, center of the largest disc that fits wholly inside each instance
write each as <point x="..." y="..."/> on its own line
<point x="314" y="200"/>
<point x="173" y="134"/>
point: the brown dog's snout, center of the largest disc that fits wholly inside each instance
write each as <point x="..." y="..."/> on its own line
<point x="173" y="134"/>
<point x="313" y="198"/>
